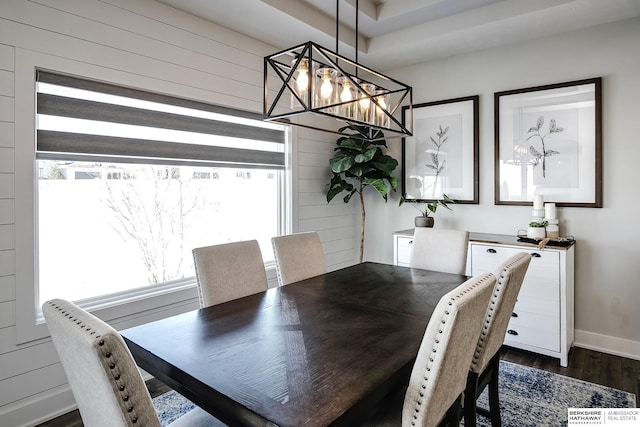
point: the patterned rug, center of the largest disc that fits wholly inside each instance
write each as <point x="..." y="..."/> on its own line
<point x="529" y="397"/>
<point x="170" y="406"/>
<point x="532" y="397"/>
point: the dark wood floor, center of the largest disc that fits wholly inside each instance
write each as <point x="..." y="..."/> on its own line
<point x="587" y="365"/>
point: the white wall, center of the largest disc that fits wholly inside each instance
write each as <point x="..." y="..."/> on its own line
<point x="608" y="240"/>
<point x="148" y="45"/>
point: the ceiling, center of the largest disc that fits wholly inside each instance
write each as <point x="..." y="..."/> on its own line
<point x="396" y="33"/>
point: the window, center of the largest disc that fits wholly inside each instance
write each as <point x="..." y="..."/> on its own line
<point x="129" y="182"/>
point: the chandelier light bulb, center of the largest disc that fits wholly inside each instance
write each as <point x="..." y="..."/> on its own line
<point x="366" y="102"/>
<point x="345" y="95"/>
<point x="383" y="105"/>
<point x="327" y="87"/>
<point x="302" y="82"/>
<point x="380" y="110"/>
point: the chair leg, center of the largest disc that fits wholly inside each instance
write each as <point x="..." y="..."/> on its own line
<point x="475" y="385"/>
<point x="494" y="399"/>
<point x="454" y="414"/>
<point x="470" y="394"/>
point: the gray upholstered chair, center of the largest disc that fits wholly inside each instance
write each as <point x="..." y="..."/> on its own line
<point x="229" y="271"/>
<point x="439" y="250"/>
<point x="298" y="257"/>
<point x="102" y="374"/>
<point x="486" y="359"/>
<point x="438" y="378"/>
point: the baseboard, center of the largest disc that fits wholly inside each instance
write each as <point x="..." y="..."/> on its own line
<point x="607" y="344"/>
<point x="38" y="408"/>
<point x="43" y="407"/>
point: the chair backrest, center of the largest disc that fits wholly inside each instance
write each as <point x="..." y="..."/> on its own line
<point x="439" y="250"/>
<point x="510" y="275"/>
<point x="298" y="257"/>
<point x="229" y="271"/>
<point x="102" y="374"/>
<point x="439" y="374"/>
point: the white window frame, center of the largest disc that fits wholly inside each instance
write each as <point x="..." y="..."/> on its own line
<point x="123" y="309"/>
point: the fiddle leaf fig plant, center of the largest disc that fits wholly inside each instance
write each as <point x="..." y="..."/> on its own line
<point x="360" y="161"/>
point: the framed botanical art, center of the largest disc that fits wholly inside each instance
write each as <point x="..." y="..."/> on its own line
<point x="548" y="141"/>
<point x="442" y="155"/>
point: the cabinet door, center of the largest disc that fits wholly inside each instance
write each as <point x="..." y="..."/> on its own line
<point x="403" y="250"/>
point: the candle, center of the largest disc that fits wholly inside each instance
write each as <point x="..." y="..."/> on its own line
<point x="550" y="211"/>
<point x="537" y="202"/>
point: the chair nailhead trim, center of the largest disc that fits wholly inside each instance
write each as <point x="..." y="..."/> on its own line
<point x="494" y="300"/>
<point x="107" y="354"/>
<point x="444" y="320"/>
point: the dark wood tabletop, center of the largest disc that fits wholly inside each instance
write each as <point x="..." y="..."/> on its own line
<point x="319" y="352"/>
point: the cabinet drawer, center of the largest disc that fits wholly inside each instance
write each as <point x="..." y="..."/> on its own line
<point x="530" y="330"/>
<point x="538" y="321"/>
<point x="543" y="276"/>
<point x="537" y="305"/>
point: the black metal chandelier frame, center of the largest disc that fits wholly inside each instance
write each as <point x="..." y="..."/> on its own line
<point x="374" y="106"/>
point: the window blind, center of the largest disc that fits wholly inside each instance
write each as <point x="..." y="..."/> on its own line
<point x="97" y="121"/>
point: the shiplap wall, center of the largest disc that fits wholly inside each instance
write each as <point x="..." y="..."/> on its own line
<point x="149" y="45"/>
<point x="336" y="222"/>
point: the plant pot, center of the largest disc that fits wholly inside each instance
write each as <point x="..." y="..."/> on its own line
<point x="536" y="233"/>
<point x="423" y="221"/>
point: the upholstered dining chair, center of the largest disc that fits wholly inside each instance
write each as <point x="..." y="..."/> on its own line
<point x="229" y="271"/>
<point x="102" y="374"/>
<point x="439" y="374"/>
<point x="298" y="257"/>
<point x="439" y="250"/>
<point x="486" y="358"/>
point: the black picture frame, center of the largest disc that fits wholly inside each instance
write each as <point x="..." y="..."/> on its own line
<point x="548" y="141"/>
<point x="442" y="155"/>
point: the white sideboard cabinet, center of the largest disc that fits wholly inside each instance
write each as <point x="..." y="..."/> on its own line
<point x="542" y="320"/>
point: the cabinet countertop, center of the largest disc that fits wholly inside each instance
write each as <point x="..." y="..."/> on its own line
<point x="503" y="239"/>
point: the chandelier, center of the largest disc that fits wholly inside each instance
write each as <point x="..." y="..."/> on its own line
<point x="312" y="79"/>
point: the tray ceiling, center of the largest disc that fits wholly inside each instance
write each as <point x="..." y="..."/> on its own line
<point x="402" y="32"/>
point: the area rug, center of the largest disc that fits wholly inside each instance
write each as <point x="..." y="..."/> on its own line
<point x="170" y="406"/>
<point x="529" y="397"/>
<point x="532" y="397"/>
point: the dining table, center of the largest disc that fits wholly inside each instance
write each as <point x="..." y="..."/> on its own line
<point x="320" y="352"/>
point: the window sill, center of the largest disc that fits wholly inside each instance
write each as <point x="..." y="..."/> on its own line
<point x="128" y="309"/>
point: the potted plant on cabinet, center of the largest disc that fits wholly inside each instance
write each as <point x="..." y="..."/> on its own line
<point x="359" y="162"/>
<point x="537" y="230"/>
<point x="427" y="209"/>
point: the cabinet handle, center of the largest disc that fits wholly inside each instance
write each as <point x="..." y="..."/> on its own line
<point x="514" y="314"/>
<point x="512" y="332"/>
<point x="491" y="251"/>
<point x="535" y="255"/>
<point x="411" y="242"/>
